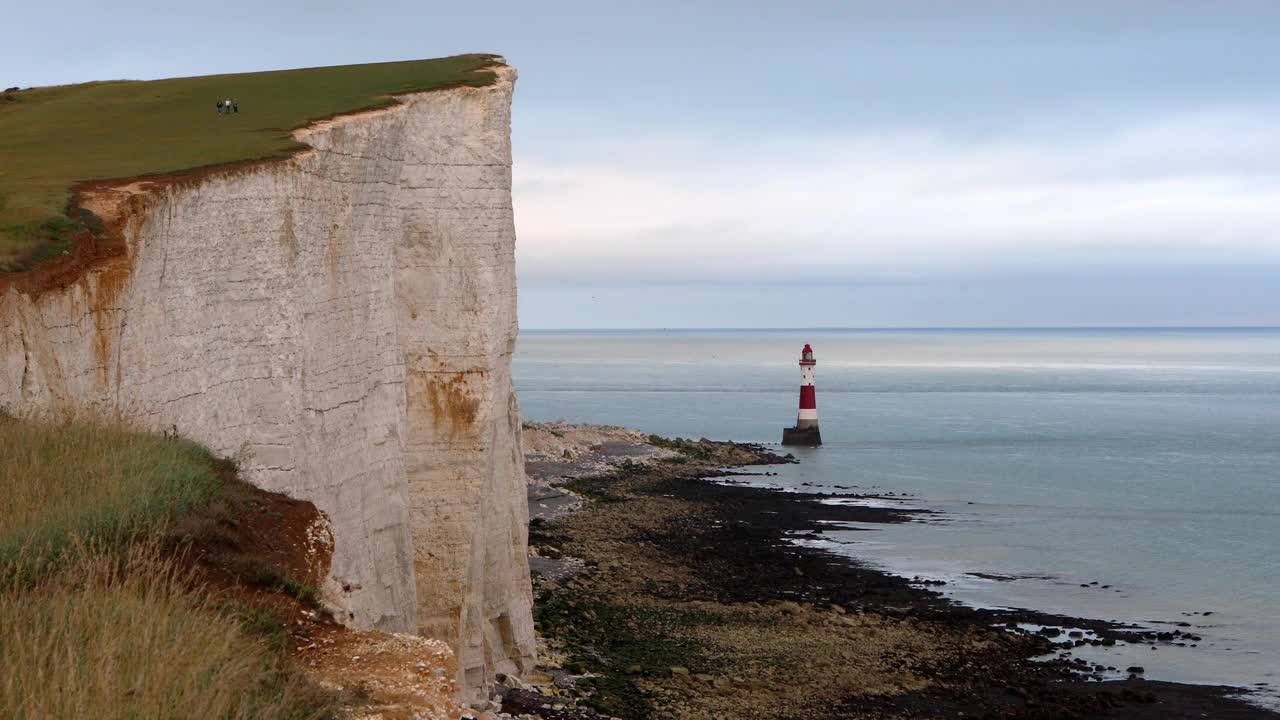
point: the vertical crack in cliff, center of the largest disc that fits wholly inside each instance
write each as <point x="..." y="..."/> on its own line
<point x="24" y="386"/>
<point x="119" y="380"/>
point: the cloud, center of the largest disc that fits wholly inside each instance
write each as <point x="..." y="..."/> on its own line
<point x="703" y="205"/>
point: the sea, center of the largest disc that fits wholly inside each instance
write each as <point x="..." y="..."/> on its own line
<point x="1120" y="474"/>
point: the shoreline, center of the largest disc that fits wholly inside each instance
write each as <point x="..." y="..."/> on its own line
<point x="689" y="529"/>
<point x="1200" y="648"/>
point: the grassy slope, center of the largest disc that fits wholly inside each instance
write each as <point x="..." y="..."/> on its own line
<point x="98" y="484"/>
<point x="108" y="624"/>
<point x="52" y="138"/>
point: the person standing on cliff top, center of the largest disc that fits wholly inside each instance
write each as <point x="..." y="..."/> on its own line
<point x="219" y="106"/>
<point x="227" y="104"/>
<point x="235" y="105"/>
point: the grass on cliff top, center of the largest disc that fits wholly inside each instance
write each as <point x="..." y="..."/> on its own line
<point x="54" y="137"/>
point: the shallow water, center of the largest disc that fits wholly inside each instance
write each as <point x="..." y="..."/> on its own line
<point x="1147" y="460"/>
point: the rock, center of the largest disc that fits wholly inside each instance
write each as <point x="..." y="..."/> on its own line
<point x="347" y="338"/>
<point x="1135" y="669"/>
<point x="681" y="671"/>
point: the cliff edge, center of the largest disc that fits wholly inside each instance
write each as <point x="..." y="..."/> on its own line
<point x="341" y="322"/>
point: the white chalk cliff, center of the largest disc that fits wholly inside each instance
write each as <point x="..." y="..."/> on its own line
<point x="342" y="323"/>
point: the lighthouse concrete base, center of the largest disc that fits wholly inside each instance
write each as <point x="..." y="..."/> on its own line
<point x="809" y="437"/>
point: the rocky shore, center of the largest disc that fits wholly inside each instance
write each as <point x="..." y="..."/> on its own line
<point x="666" y="590"/>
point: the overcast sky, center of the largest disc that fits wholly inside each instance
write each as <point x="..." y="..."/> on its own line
<point x="829" y="164"/>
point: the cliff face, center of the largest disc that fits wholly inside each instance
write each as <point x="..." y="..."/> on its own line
<point x="341" y="322"/>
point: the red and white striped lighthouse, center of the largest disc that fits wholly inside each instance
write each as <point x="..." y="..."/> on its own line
<point x="806" y="430"/>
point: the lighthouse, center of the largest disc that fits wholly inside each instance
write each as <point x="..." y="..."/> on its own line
<point x="806" y="430"/>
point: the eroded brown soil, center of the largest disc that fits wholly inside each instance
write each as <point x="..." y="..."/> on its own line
<point x="263" y="555"/>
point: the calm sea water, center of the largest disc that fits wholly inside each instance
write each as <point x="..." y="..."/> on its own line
<point x="1147" y="460"/>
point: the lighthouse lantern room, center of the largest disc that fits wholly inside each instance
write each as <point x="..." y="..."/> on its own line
<point x="806" y="430"/>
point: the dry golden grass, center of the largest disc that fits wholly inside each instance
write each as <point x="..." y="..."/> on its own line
<point x="98" y="483"/>
<point x="121" y="634"/>
<point x="97" y="620"/>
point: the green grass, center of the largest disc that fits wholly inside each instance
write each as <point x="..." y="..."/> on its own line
<point x="98" y="618"/>
<point x="260" y="573"/>
<point x="54" y="137"/>
<point x="101" y="484"/>
<point x="688" y="448"/>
